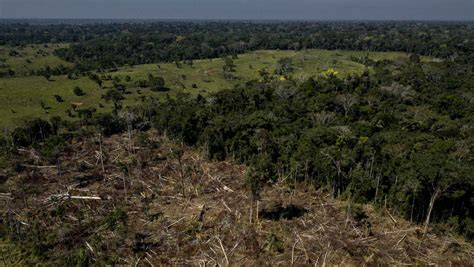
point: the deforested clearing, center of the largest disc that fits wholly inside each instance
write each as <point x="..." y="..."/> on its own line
<point x="110" y="202"/>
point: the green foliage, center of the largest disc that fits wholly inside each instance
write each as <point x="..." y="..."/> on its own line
<point x="115" y="218"/>
<point x="78" y="91"/>
<point x="401" y="152"/>
<point x="372" y="127"/>
<point x="284" y="66"/>
<point x="273" y="245"/>
<point x="228" y="65"/>
<point x="109" y="124"/>
<point x="107" y="47"/>
<point x="51" y="148"/>
<point x="28" y="91"/>
<point x="261" y="172"/>
<point x="32" y="132"/>
<point x="115" y="97"/>
<point x="156" y="83"/>
<point x="468" y="227"/>
<point x="58" y="98"/>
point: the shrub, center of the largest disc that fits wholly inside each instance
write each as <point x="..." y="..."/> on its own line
<point x="78" y="91"/>
<point x="33" y="131"/>
<point x="58" y="98"/>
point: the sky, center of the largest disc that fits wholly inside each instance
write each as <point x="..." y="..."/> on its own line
<point x="242" y="9"/>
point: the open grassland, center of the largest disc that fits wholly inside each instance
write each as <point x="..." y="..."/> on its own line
<point x="208" y="74"/>
<point x="20" y="98"/>
<point x="33" y="96"/>
<point x="25" y="59"/>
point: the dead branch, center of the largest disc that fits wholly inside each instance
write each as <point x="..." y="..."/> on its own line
<point x="223" y="251"/>
<point x="391" y="217"/>
<point x="67" y="196"/>
<point x="38" y="167"/>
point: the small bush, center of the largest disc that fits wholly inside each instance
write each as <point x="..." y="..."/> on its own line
<point x="58" y="98"/>
<point x="78" y="91"/>
<point x="115" y="218"/>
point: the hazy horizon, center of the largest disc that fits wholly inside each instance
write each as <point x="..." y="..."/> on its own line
<point x="318" y="10"/>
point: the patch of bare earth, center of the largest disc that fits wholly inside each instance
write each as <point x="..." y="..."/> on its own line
<point x="150" y="204"/>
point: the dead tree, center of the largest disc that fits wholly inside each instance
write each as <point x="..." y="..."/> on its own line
<point x="346" y="101"/>
<point x="129" y="118"/>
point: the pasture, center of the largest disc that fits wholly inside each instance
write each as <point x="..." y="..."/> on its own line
<point x="25" y="59"/>
<point x="26" y="96"/>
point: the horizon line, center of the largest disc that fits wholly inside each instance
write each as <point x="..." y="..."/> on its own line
<point x="246" y="19"/>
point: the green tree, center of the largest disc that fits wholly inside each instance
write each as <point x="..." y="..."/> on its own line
<point x="436" y="173"/>
<point x="78" y="91"/>
<point x="228" y="65"/>
<point x="284" y="66"/>
<point x="113" y="96"/>
<point x="156" y="83"/>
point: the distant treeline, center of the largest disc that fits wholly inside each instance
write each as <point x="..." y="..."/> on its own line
<point x="102" y="46"/>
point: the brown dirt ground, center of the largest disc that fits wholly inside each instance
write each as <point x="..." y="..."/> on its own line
<point x="197" y="212"/>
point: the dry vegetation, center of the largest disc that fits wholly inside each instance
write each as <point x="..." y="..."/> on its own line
<point x="154" y="203"/>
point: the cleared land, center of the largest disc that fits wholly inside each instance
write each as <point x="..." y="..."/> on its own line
<point x="22" y="97"/>
<point x="192" y="210"/>
<point x="24" y="59"/>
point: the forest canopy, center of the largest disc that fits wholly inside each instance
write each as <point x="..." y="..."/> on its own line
<point x="397" y="134"/>
<point x="108" y="45"/>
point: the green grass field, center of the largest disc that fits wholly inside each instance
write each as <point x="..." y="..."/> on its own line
<point x="24" y="59"/>
<point x="208" y="75"/>
<point x="21" y="97"/>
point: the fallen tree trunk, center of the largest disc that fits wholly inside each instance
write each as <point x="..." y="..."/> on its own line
<point x="68" y="196"/>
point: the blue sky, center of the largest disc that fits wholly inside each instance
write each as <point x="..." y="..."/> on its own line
<point x="242" y="9"/>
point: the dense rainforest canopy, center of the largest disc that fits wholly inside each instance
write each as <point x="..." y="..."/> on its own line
<point x="98" y="46"/>
<point x="400" y="135"/>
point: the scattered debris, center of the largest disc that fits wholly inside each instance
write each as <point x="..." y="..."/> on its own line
<point x="191" y="211"/>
